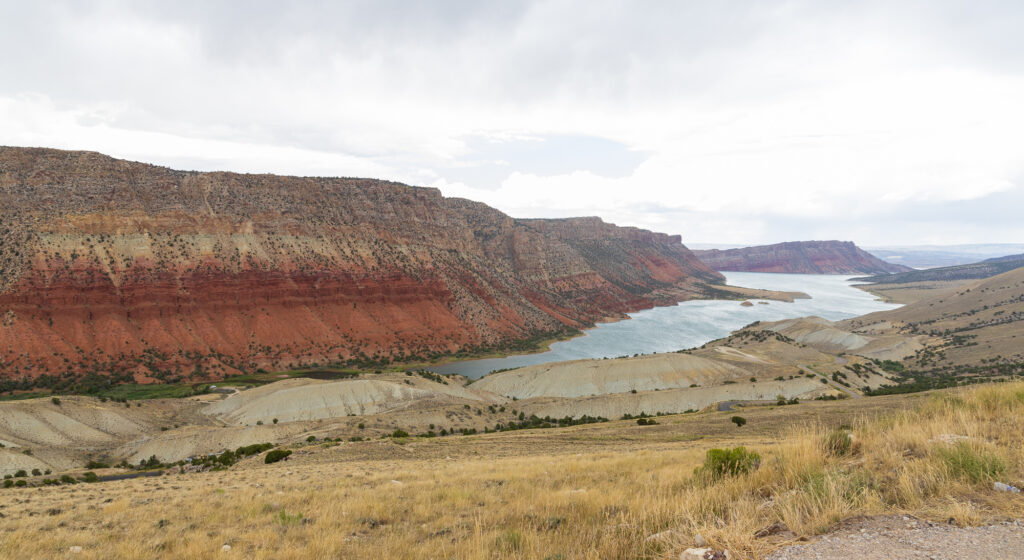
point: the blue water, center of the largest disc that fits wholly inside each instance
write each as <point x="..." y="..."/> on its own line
<point x="692" y="323"/>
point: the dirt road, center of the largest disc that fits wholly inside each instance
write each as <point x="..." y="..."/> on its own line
<point x="909" y="538"/>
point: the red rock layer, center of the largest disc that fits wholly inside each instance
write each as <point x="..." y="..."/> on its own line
<point x="799" y="257"/>
<point x="112" y="266"/>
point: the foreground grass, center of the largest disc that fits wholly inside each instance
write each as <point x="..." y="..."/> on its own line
<point x="603" y="504"/>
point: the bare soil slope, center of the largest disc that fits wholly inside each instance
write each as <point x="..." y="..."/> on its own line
<point x="969" y="324"/>
<point x="307" y="399"/>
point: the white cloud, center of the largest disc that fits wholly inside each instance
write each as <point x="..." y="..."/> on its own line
<point x="758" y="122"/>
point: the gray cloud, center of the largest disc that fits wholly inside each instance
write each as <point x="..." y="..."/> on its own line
<point x="736" y="120"/>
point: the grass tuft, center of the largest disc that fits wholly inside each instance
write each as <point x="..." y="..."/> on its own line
<point x="966" y="463"/>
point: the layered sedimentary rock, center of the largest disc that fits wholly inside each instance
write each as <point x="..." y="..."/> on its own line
<point x="115" y="266"/>
<point x="799" y="257"/>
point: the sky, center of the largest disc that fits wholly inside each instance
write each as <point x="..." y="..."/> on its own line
<point x="727" y="122"/>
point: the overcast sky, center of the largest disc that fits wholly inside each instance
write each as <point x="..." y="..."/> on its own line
<point x="892" y="122"/>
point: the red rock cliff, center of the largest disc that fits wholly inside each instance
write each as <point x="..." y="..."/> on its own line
<point x="800" y="257"/>
<point x="108" y="265"/>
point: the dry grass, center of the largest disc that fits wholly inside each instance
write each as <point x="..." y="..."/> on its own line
<point x="602" y="503"/>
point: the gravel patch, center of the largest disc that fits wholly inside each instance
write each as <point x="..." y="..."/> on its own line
<point x="902" y="537"/>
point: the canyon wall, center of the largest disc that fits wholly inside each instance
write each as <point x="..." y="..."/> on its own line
<point x="109" y="266"/>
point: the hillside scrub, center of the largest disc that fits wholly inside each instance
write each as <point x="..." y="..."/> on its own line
<point x="276" y="455"/>
<point x="937" y="460"/>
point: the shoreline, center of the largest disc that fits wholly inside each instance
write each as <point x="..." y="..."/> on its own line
<point x="734" y="293"/>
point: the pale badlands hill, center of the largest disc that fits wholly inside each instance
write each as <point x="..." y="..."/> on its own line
<point x="67" y="435"/>
<point x="799" y="257"/>
<point x="968" y="333"/>
<point x="110" y="266"/>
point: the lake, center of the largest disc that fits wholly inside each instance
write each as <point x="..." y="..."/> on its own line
<point x="692" y="323"/>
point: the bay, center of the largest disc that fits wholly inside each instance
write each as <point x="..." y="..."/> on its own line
<point x="692" y="323"/>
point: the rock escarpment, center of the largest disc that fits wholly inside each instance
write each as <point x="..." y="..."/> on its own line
<point x="109" y="266"/>
<point x="799" y="257"/>
<point x="974" y="271"/>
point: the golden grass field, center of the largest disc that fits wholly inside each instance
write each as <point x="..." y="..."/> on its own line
<point x="593" y="491"/>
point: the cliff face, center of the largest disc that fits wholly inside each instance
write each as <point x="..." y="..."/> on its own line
<point x="799" y="257"/>
<point x="114" y="266"/>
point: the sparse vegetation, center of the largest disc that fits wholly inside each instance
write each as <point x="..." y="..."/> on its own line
<point x="728" y="462"/>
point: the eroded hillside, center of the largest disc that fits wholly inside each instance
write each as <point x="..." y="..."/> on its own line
<point x="109" y="266"/>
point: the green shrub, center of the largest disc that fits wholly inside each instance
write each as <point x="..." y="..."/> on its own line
<point x="277" y="455"/>
<point x="286" y="519"/>
<point x="20" y="483"/>
<point x="8" y="483"/>
<point x="36" y="472"/>
<point x="964" y="462"/>
<point x="90" y="477"/>
<point x="739" y="421"/>
<point x="645" y="422"/>
<point x="20" y="473"/>
<point x="67" y="479"/>
<point x="729" y="462"/>
<point x="837" y="443"/>
<point x="399" y="434"/>
<point x="96" y="465"/>
<point x="249" y="450"/>
<point x="311" y="439"/>
<point x="55" y="401"/>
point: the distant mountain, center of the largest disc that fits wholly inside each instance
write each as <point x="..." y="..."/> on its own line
<point x="975" y="271"/>
<point x="934" y="256"/>
<point x="1007" y="258"/>
<point x="799" y="257"/>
